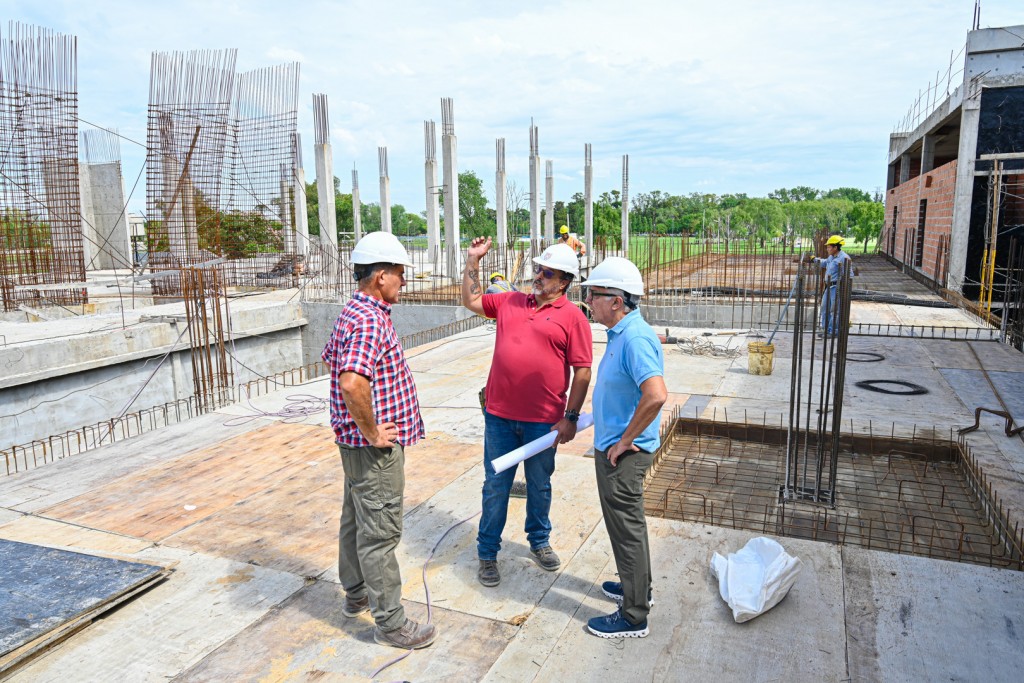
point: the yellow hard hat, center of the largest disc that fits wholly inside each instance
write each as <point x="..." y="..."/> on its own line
<point x="497" y="275"/>
<point x="836" y="239"/>
<point x="564" y="230"/>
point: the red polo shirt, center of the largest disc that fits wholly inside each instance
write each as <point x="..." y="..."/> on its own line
<point x="533" y="352"/>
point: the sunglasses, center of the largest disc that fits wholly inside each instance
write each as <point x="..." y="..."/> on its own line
<point x="591" y="294"/>
<point x="539" y="270"/>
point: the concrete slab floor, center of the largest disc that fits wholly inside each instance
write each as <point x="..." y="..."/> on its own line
<point x="217" y="618"/>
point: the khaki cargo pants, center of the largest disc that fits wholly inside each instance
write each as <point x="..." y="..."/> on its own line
<point x="371" y="527"/>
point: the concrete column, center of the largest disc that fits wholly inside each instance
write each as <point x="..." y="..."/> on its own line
<point x="904" y="168"/>
<point x="500" y="212"/>
<point x="451" y="188"/>
<point x="588" y="202"/>
<point x="385" y="190"/>
<point x="324" y="175"/>
<point x="534" y="183"/>
<point x="357" y="207"/>
<point x="927" y="153"/>
<point x="964" y="194"/>
<point x="89" y="238"/>
<point x="625" y="205"/>
<point x="299" y="193"/>
<point x="430" y="185"/>
<point x="549" y="202"/>
<point x="108" y="205"/>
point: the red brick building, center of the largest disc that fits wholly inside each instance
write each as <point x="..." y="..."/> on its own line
<point x="955" y="189"/>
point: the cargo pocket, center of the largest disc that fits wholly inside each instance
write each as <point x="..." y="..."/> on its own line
<point x="384" y="518"/>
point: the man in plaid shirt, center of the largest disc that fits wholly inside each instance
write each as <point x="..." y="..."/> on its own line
<point x="375" y="414"/>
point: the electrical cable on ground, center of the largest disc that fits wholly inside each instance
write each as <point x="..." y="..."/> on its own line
<point x="426" y="588"/>
<point x="874" y="385"/>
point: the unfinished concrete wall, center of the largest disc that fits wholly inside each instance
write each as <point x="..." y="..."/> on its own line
<point x="57" y="385"/>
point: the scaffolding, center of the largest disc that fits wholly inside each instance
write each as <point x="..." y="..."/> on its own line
<point x="40" y="231"/>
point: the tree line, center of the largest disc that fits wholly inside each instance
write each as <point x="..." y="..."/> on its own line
<point x="785" y="214"/>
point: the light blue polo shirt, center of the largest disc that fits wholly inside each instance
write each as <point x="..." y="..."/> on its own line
<point x="633" y="355"/>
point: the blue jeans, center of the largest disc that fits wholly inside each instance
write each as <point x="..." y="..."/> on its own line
<point x="829" y="310"/>
<point x="500" y="437"/>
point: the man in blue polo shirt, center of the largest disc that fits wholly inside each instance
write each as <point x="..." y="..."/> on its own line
<point x="628" y="396"/>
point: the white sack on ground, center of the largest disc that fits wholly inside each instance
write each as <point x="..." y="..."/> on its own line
<point x="756" y="578"/>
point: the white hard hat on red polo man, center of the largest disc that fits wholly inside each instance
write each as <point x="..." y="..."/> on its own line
<point x="617" y="273"/>
<point x="560" y="257"/>
<point x="380" y="247"/>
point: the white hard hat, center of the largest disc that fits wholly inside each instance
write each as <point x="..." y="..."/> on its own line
<point x="380" y="247"/>
<point x="560" y="257"/>
<point x="618" y="273"/>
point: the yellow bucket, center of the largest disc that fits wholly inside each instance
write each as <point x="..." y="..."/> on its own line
<point x="760" y="358"/>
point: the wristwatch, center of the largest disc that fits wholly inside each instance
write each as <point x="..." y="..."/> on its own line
<point x="572" y="415"/>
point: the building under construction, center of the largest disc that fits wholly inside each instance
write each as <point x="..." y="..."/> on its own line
<point x="955" y="190"/>
<point x="170" y="487"/>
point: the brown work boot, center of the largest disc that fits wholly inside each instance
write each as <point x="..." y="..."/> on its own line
<point x="354" y="607"/>
<point x="488" y="573"/>
<point x="411" y="636"/>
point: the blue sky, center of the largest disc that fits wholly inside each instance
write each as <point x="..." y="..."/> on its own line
<point x="728" y="96"/>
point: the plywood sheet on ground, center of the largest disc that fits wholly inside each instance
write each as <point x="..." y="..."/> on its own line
<point x="575" y="511"/>
<point x="164" y="498"/>
<point x="911" y="618"/>
<point x="169" y="628"/>
<point x="693" y="635"/>
<point x="308" y="638"/>
<point x="59" y="481"/>
<point x="44" y="588"/>
<point x="33" y="529"/>
<point x="293" y="525"/>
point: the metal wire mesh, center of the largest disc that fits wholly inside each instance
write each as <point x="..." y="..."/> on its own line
<point x="924" y="494"/>
<point x="39" y="191"/>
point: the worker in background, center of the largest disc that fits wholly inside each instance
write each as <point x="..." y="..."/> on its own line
<point x="499" y="284"/>
<point x="834" y="265"/>
<point x="541" y="337"/>
<point x="628" y="395"/>
<point x="375" y="414"/>
<point x="566" y="237"/>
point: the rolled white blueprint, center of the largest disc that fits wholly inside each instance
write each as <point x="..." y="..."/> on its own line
<point x="514" y="457"/>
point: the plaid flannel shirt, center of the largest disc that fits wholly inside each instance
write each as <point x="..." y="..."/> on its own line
<point x="364" y="341"/>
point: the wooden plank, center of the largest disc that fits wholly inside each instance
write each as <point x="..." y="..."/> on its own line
<point x="169" y="496"/>
<point x="170" y="627"/>
<point x="293" y="525"/>
<point x="54" y="533"/>
<point x="308" y="638"/>
<point x="62" y="480"/>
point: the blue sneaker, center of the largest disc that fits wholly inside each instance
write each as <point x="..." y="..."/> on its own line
<point x="615" y="626"/>
<point x="613" y="589"/>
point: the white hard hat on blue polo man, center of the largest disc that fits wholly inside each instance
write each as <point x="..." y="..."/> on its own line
<point x="560" y="257"/>
<point x="618" y="273"/>
<point x="380" y="247"/>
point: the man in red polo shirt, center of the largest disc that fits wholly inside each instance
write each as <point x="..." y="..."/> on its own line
<point x="540" y="337"/>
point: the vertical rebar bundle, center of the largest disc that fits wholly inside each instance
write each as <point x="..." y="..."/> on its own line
<point x="40" y="222"/>
<point x="815" y="410"/>
<point x="189" y="111"/>
<point x="259" y="216"/>
<point x="500" y="210"/>
<point x="625" y="205"/>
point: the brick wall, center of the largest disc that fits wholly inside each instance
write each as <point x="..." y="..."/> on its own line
<point x="938" y="187"/>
